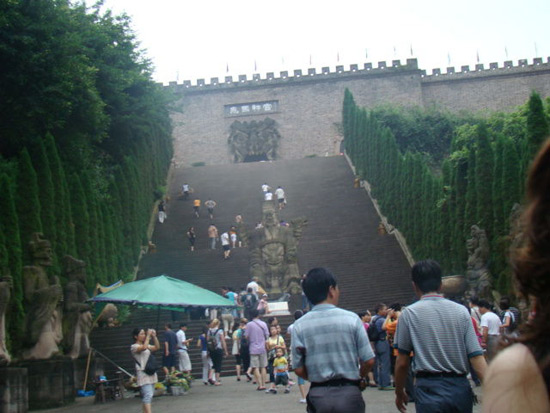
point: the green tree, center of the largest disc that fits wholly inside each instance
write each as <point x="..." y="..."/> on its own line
<point x="510" y="181"/>
<point x="81" y="218"/>
<point x="9" y="227"/>
<point x="62" y="204"/>
<point x="537" y="127"/>
<point x="27" y="199"/>
<point x="484" y="159"/>
<point x="46" y="197"/>
<point x="470" y="211"/>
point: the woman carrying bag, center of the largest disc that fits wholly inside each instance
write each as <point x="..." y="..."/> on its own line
<point x="141" y="351"/>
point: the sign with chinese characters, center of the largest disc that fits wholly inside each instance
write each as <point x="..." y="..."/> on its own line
<point x="256" y="108"/>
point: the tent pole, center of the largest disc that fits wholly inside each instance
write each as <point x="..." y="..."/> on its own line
<point x="158" y="318"/>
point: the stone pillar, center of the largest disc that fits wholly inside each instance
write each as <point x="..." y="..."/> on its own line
<point x="14" y="397"/>
<point x="50" y="382"/>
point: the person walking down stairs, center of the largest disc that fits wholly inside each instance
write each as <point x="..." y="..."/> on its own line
<point x="226" y="245"/>
<point x="196" y="207"/>
<point x="212" y="235"/>
<point x="191" y="237"/>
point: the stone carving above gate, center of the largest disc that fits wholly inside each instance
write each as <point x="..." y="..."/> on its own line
<point x="259" y="139"/>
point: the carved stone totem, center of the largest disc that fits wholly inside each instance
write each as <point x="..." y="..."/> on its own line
<point x="274" y="252"/>
<point x="77" y="317"/>
<point x="477" y="272"/>
<point x="43" y="324"/>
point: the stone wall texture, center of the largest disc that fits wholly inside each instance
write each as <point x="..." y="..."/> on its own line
<point x="309" y="106"/>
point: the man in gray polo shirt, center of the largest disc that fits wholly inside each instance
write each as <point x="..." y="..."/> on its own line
<point x="442" y="337"/>
<point x="330" y="348"/>
<point x="256" y="333"/>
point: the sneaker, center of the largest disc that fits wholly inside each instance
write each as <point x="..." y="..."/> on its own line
<point x="268" y="390"/>
<point x="303" y="401"/>
<point x="387" y="388"/>
<point x="274" y="391"/>
<point x="287" y="390"/>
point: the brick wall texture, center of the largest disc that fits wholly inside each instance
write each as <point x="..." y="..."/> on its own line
<point x="309" y="107"/>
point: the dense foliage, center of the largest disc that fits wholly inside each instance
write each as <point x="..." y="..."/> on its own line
<point x="85" y="140"/>
<point x="480" y="177"/>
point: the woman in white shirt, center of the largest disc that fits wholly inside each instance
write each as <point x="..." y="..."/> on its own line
<point x="141" y="351"/>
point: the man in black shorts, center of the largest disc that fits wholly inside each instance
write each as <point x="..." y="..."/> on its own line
<point x="169" y="356"/>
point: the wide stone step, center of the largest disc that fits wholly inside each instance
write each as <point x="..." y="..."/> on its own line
<point x="341" y="234"/>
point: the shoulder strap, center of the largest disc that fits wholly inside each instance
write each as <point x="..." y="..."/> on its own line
<point x="138" y="363"/>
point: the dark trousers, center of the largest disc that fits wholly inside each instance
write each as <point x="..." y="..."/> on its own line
<point x="217" y="358"/>
<point x="335" y="399"/>
<point x="245" y="355"/>
<point x="384" y="363"/>
<point x="443" y="395"/>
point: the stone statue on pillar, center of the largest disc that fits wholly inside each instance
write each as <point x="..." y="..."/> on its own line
<point x="274" y="252"/>
<point x="43" y="295"/>
<point x="6" y="285"/>
<point x="77" y="315"/>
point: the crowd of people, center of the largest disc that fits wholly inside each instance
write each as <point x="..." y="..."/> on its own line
<point x="436" y="344"/>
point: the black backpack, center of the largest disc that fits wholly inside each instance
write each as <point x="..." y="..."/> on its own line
<point x="151" y="366"/>
<point x="249" y="301"/>
<point x="372" y="331"/>
<point x="244" y="342"/>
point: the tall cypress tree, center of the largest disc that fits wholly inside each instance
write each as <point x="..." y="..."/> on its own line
<point x="110" y="244"/>
<point x="460" y="184"/>
<point x="81" y="219"/>
<point x="471" y="193"/>
<point x="46" y="197"/>
<point x="62" y="203"/>
<point x="511" y="184"/>
<point x="537" y="127"/>
<point x="445" y="212"/>
<point x="93" y="227"/>
<point x="116" y="212"/>
<point x="484" y="180"/>
<point x="27" y="200"/>
<point x="347" y="114"/>
<point x="9" y="227"/>
<point x="101" y="244"/>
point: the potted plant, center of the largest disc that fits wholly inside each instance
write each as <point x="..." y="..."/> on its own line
<point x="178" y="382"/>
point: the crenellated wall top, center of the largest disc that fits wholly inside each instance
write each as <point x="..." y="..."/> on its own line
<point x="479" y="70"/>
<point x="381" y="68"/>
<point x="298" y="75"/>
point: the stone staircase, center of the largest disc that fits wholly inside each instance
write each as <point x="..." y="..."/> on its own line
<point x="341" y="234"/>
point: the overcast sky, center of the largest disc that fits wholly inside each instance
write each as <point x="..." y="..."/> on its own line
<point x="189" y="39"/>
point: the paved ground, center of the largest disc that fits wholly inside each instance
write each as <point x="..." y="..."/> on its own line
<point x="231" y="397"/>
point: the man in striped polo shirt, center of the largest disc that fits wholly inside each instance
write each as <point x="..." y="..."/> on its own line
<point x="442" y="337"/>
<point x="330" y="348"/>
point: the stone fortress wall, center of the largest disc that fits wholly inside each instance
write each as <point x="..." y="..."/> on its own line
<point x="307" y="107"/>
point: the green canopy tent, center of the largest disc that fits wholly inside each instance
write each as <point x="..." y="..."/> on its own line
<point x="163" y="292"/>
